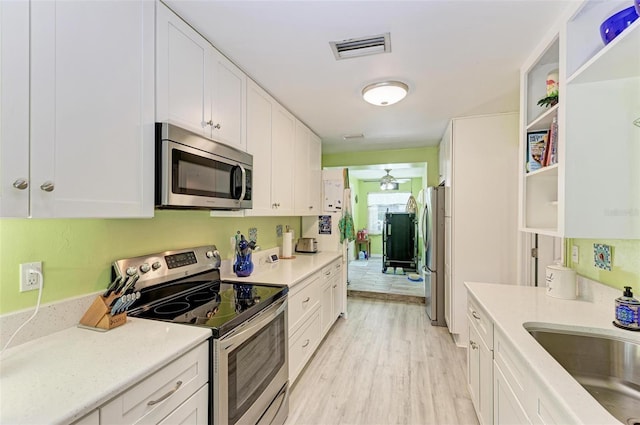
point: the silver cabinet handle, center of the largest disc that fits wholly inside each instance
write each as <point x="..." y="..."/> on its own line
<point x="306" y="300"/>
<point x="328" y="273"/>
<point x="305" y="343"/>
<point x="475" y="315"/>
<point x="473" y="345"/>
<point x="210" y="123"/>
<point x="166" y="396"/>
<point x="21" y="184"/>
<point x="47" y="186"/>
<point x="335" y="286"/>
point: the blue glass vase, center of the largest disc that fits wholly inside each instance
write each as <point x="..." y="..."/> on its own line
<point x="243" y="266"/>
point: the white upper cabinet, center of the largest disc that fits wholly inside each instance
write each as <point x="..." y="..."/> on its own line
<point x="315" y="165"/>
<point x="14" y="109"/>
<point x="270" y="137"/>
<point x="198" y="88"/>
<point x="259" y="117"/>
<point x="594" y="189"/>
<point x="229" y="103"/>
<point x="183" y="92"/>
<point x="283" y="136"/>
<point x="307" y="176"/>
<point x="91" y="111"/>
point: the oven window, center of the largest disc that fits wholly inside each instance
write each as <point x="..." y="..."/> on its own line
<point x="198" y="176"/>
<point x="253" y="365"/>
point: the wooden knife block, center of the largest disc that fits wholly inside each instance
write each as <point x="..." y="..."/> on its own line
<point x="98" y="315"/>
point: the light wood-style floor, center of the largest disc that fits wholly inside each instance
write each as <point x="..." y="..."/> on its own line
<point x="385" y="364"/>
<point x="367" y="276"/>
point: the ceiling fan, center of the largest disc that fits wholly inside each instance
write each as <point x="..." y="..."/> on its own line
<point x="387" y="182"/>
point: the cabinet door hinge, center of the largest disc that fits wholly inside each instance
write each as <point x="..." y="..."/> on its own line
<point x="534" y="252"/>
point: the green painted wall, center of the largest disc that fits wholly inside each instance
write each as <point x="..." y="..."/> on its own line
<point x="395" y="156"/>
<point x="77" y="253"/>
<point x="625" y="262"/>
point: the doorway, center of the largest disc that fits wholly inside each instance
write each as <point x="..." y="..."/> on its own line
<point x="366" y="272"/>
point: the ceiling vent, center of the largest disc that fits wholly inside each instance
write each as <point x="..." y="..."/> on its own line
<point x="353" y="136"/>
<point x="363" y="46"/>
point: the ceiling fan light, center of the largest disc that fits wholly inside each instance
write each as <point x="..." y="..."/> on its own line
<point x="388" y="182"/>
<point x="385" y="93"/>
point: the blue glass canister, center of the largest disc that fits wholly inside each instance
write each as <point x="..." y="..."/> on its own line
<point x="243" y="266"/>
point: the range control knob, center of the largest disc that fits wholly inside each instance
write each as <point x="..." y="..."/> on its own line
<point x="210" y="254"/>
<point x="131" y="271"/>
<point x="145" y="267"/>
<point x="156" y="265"/>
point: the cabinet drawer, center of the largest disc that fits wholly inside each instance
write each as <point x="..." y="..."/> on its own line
<point x="159" y="394"/>
<point x="512" y="367"/>
<point x="333" y="269"/>
<point x="194" y="411"/>
<point x="305" y="299"/>
<point x="303" y="343"/>
<point x="481" y="320"/>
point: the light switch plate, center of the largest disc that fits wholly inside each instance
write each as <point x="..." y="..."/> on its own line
<point x="575" y="254"/>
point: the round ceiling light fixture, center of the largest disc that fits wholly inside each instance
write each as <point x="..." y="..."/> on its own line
<point x="385" y="93"/>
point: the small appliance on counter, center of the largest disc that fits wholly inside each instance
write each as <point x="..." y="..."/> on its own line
<point x="561" y="282"/>
<point x="308" y="245"/>
<point x="627" y="311"/>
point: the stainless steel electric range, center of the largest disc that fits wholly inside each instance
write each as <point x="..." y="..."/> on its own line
<point x="249" y="360"/>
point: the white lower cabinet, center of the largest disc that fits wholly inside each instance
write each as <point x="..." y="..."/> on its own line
<point x="303" y="343"/>
<point x="338" y="290"/>
<point x="480" y="362"/>
<point x="92" y="418"/>
<point x="193" y="411"/>
<point x="507" y="408"/>
<point x="502" y="388"/>
<point x="178" y="390"/>
<point x="327" y="305"/>
<point x="314" y="305"/>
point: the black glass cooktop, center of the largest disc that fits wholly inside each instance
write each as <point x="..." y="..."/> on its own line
<point x="204" y="300"/>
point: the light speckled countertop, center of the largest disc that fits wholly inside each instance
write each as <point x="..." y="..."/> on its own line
<point x="65" y="375"/>
<point x="285" y="272"/>
<point x="510" y="307"/>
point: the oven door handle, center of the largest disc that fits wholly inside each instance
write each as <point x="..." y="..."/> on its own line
<point x="252" y="325"/>
<point x="274" y="411"/>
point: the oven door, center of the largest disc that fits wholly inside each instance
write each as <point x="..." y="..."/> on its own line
<point x="195" y="178"/>
<point x="251" y="370"/>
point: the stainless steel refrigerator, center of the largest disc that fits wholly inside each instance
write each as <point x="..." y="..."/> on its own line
<point x="433" y="239"/>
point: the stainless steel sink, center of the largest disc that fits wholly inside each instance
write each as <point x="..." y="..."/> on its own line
<point x="608" y="368"/>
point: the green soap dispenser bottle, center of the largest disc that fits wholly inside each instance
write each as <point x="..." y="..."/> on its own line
<point x="627" y="311"/>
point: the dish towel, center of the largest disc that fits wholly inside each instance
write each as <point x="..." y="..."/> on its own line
<point x="345" y="225"/>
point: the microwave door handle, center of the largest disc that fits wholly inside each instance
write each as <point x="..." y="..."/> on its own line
<point x="244" y="182"/>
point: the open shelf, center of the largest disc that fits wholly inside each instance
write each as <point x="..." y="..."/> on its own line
<point x="541" y="231"/>
<point x="543" y="122"/>
<point x="550" y="170"/>
<point x="618" y="59"/>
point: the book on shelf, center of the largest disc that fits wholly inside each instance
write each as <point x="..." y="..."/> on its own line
<point x="536" y="141"/>
<point x="552" y="156"/>
<point x="547" y="149"/>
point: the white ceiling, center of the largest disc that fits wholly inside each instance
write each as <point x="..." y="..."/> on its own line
<point x="458" y="57"/>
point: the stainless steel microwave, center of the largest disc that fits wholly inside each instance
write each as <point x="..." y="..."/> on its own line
<point x="195" y="172"/>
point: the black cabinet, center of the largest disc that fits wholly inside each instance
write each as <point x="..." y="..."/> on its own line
<point x="399" y="241"/>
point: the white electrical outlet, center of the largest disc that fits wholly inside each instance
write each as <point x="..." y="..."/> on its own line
<point x="29" y="280"/>
<point x="575" y="257"/>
